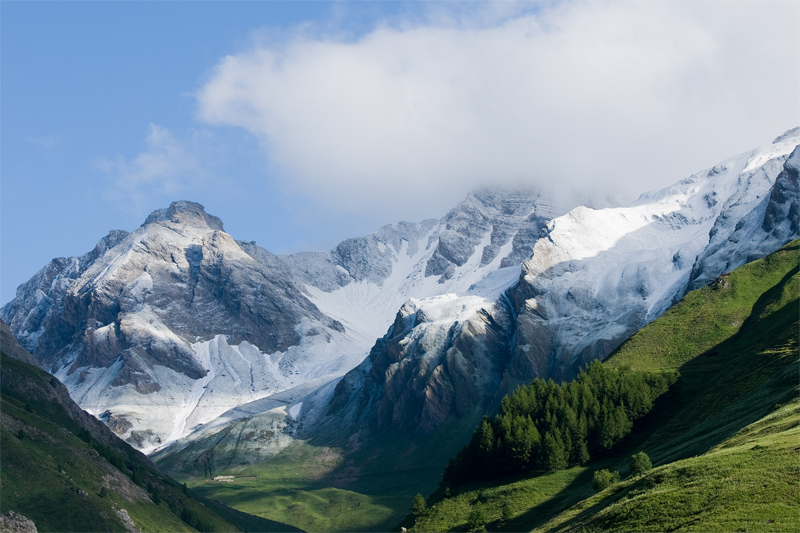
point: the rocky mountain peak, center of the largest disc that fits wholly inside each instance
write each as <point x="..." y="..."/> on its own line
<point x="788" y="134"/>
<point x="185" y="213"/>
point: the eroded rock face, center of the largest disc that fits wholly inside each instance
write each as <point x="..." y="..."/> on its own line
<point x="516" y="217"/>
<point x="369" y="258"/>
<point x="490" y="221"/>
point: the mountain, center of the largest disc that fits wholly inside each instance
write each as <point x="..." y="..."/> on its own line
<point x="219" y="354"/>
<point x="594" y="278"/>
<point x="176" y="326"/>
<point x="723" y="440"/>
<point x="64" y="470"/>
<point x="166" y="327"/>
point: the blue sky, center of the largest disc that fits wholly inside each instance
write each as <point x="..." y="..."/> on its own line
<point x="303" y="123"/>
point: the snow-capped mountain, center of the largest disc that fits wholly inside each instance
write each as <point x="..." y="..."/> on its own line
<point x="594" y="278"/>
<point x="161" y="331"/>
<point x="176" y="329"/>
<point x="164" y="328"/>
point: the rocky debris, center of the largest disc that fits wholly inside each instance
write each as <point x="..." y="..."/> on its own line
<point x="130" y="526"/>
<point x="12" y="522"/>
<point x="119" y="424"/>
<point x="143" y="438"/>
<point x="83" y="494"/>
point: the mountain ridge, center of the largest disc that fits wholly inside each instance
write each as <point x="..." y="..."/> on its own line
<point x="594" y="278"/>
<point x="161" y="330"/>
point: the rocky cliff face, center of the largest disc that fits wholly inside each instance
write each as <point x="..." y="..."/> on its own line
<point x="592" y="280"/>
<point x="442" y="356"/>
<point x="363" y="281"/>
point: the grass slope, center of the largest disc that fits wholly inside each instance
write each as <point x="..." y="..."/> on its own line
<point x="748" y="483"/>
<point x="53" y="474"/>
<point x="318" y="488"/>
<point x="724" y="440"/>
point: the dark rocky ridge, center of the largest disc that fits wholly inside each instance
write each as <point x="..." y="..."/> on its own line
<point x="411" y="383"/>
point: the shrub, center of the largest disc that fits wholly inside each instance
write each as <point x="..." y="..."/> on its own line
<point x="508" y="514"/>
<point x="477" y="519"/>
<point x="640" y="464"/>
<point x="603" y="479"/>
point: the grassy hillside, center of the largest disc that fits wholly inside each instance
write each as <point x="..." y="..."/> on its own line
<point x="747" y="483"/>
<point x="724" y="440"/>
<point x="318" y="488"/>
<point x="67" y="472"/>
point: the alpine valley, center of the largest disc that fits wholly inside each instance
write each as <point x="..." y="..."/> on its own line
<point x="340" y="383"/>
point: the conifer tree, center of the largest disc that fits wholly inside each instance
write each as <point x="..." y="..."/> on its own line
<point x="419" y="506"/>
<point x="555" y="456"/>
<point x="583" y="452"/>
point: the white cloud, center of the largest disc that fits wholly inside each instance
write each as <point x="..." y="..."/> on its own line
<point x="167" y="167"/>
<point x="47" y="142"/>
<point x="619" y="95"/>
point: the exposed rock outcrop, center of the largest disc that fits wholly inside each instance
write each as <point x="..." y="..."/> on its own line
<point x="12" y="522"/>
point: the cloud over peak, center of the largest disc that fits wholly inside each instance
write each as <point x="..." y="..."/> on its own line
<point x="617" y="95"/>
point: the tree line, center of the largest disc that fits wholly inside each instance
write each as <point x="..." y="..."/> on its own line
<point x="548" y="426"/>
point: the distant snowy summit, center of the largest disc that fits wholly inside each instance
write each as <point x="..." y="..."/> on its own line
<point x="161" y="331"/>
